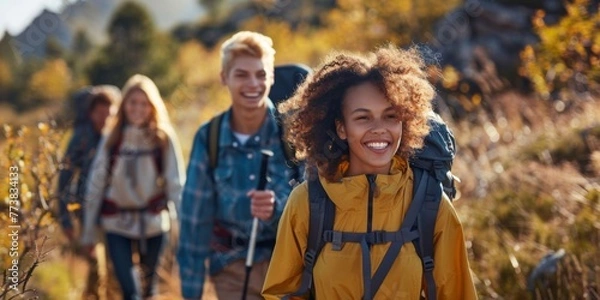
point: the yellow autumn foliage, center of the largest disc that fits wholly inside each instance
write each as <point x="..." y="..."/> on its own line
<point x="52" y="82"/>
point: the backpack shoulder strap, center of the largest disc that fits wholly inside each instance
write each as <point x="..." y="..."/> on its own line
<point x="113" y="151"/>
<point x="406" y="228"/>
<point x="322" y="214"/>
<point x="428" y="189"/>
<point x="212" y="140"/>
<point x="112" y="155"/>
<point x="158" y="156"/>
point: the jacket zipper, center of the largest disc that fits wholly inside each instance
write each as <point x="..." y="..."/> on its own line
<point x="371" y="178"/>
<point x="366" y="253"/>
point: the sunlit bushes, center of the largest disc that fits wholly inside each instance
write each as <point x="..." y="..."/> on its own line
<point x="32" y="154"/>
<point x="568" y="56"/>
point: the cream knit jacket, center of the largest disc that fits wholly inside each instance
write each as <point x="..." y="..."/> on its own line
<point x="132" y="184"/>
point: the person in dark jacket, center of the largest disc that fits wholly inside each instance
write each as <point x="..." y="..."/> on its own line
<point x="93" y="109"/>
<point x="93" y="106"/>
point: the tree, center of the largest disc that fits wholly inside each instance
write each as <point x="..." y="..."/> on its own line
<point x="134" y="47"/>
<point x="215" y="8"/>
<point x="51" y="83"/>
<point x="81" y="44"/>
<point x="7" y="51"/>
<point x="79" y="57"/>
<point x="54" y="49"/>
<point x="6" y="80"/>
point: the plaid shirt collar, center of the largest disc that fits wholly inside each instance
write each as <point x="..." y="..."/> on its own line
<point x="263" y="136"/>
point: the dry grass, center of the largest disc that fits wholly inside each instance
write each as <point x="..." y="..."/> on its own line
<point x="525" y="193"/>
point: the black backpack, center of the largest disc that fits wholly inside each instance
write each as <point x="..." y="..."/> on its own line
<point x="287" y="79"/>
<point x="431" y="167"/>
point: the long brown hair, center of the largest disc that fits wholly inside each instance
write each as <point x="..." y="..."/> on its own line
<point x="157" y="127"/>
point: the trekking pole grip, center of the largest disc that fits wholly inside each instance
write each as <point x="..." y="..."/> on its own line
<point x="262" y="183"/>
<point x="264" y="162"/>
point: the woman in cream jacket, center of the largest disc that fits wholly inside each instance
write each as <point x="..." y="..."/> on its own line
<point x="136" y="172"/>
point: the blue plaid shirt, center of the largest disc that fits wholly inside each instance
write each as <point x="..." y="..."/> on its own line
<point x="222" y="200"/>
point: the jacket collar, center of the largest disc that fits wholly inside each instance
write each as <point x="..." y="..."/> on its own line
<point x="262" y="137"/>
<point x="351" y="192"/>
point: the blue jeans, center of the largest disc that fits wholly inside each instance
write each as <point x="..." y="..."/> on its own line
<point x="120" y="249"/>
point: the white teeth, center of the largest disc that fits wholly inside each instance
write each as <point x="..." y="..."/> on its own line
<point x="251" y="95"/>
<point x="378" y="145"/>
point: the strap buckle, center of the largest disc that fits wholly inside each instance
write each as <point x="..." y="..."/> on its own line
<point x="428" y="263"/>
<point x="309" y="258"/>
<point x="336" y="241"/>
<point x="378" y="237"/>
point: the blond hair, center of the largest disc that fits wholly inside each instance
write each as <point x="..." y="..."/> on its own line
<point x="247" y="43"/>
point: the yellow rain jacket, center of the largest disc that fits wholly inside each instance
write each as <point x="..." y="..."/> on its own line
<point x="338" y="274"/>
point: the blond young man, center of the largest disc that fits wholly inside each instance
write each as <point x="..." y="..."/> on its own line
<point x="218" y="205"/>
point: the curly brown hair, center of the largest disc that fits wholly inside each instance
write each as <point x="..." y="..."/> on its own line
<point x="310" y="115"/>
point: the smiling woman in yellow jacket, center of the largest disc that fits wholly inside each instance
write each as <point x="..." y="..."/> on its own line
<point x="357" y="119"/>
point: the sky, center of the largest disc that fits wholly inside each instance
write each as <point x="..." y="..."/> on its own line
<point x="15" y="15"/>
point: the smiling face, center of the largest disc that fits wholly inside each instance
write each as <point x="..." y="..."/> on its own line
<point x="372" y="128"/>
<point x="249" y="81"/>
<point x="137" y="108"/>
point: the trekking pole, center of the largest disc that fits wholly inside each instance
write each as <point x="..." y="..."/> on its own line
<point x="262" y="183"/>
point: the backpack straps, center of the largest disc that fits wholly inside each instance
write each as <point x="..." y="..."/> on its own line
<point x="406" y="233"/>
<point x="112" y="154"/>
<point x="157" y="157"/>
<point x="112" y="158"/>
<point x="322" y="214"/>
<point x="440" y="169"/>
<point x="410" y="219"/>
<point x="212" y="145"/>
<point x="428" y="190"/>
